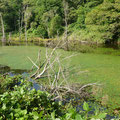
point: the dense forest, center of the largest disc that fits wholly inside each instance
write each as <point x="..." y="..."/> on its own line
<point x="59" y="59"/>
<point x="87" y="20"/>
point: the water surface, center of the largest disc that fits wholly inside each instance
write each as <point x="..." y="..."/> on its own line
<point x="90" y="67"/>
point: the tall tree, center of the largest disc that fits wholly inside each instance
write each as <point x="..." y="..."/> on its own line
<point x="3" y="29"/>
<point x="65" y="6"/>
<point x="27" y="14"/>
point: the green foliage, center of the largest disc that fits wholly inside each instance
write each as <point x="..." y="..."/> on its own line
<point x="103" y="22"/>
<point x="39" y="31"/>
<point x="47" y="14"/>
<point x="10" y="11"/>
<point x="80" y="23"/>
<point x="8" y="83"/>
<point x="82" y="11"/>
<point x="22" y="103"/>
<point x="55" y="26"/>
<point x="93" y="20"/>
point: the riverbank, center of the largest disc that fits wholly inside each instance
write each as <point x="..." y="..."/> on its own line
<point x="73" y="45"/>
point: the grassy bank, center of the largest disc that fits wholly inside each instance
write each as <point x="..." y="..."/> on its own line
<point x="75" y="43"/>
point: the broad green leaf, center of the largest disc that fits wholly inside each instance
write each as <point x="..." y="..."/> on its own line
<point x="85" y="106"/>
<point x="57" y="119"/>
<point x="22" y="90"/>
<point x="35" y="115"/>
<point x="21" y="118"/>
<point x="101" y="115"/>
<point x="24" y="112"/>
<point x="41" y="114"/>
<point x="53" y="115"/>
<point x="78" y="117"/>
<point x="68" y="116"/>
<point x="4" y="106"/>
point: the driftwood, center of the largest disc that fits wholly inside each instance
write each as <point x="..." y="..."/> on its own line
<point x="57" y="74"/>
<point x="58" y="84"/>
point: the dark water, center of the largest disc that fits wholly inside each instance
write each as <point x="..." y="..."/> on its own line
<point x="6" y="69"/>
<point x="36" y="43"/>
<point x="35" y="86"/>
<point x="20" y="43"/>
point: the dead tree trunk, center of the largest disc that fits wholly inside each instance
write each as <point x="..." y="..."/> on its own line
<point x="3" y="29"/>
<point x="9" y="37"/>
<point x="25" y="19"/>
<point x="21" y="20"/>
<point x="19" y="25"/>
<point x="65" y="5"/>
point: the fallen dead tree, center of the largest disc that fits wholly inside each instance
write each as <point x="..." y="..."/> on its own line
<point x="57" y="74"/>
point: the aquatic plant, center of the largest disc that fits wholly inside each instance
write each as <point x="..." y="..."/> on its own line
<point x="22" y="103"/>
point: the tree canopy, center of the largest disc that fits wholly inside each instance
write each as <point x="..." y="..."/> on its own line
<point x="98" y="19"/>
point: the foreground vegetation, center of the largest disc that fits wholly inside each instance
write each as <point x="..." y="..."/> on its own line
<point x="19" y="101"/>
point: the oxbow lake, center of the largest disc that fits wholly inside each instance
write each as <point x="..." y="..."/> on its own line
<point x="90" y="67"/>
